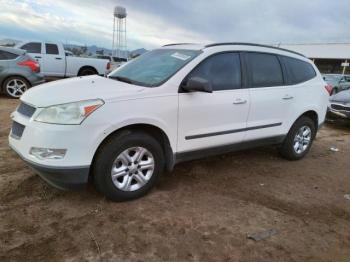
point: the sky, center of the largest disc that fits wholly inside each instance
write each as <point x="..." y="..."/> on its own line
<point x="152" y="23"/>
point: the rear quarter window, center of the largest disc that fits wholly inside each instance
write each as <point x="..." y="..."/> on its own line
<point x="298" y="71"/>
<point x="7" y="55"/>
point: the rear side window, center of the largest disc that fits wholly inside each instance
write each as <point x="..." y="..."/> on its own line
<point x="7" y="55"/>
<point x="264" y="69"/>
<point x="34" y="48"/>
<point x="298" y="71"/>
<point x="222" y="70"/>
<point x="119" y="59"/>
<point x="51" y="49"/>
<point x="103" y="57"/>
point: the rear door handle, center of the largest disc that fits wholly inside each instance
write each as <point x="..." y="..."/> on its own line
<point x="288" y="97"/>
<point x="37" y="56"/>
<point x="58" y="58"/>
<point x="239" y="101"/>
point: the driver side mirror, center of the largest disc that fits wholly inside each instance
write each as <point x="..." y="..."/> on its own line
<point x="197" y="84"/>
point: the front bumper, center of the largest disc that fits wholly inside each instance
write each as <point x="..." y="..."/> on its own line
<point x="60" y="177"/>
<point x="337" y="115"/>
<point x="70" y="172"/>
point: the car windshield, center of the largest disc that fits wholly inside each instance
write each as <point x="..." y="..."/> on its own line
<point x="154" y="68"/>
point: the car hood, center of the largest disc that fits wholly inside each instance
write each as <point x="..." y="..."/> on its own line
<point x="341" y="97"/>
<point x="78" y="89"/>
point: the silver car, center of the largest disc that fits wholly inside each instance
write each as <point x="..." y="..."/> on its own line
<point x="18" y="72"/>
<point x="339" y="108"/>
<point x="338" y="82"/>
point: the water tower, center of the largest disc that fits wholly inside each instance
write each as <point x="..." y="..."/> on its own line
<point x="119" y="32"/>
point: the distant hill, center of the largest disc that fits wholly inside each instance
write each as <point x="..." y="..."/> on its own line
<point x="93" y="49"/>
<point x="9" y="42"/>
<point x="90" y="50"/>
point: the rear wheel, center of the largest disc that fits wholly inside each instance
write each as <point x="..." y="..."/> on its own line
<point x="299" y="139"/>
<point x="87" y="71"/>
<point x="15" y="86"/>
<point x="128" y="165"/>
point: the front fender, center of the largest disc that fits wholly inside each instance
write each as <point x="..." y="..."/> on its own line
<point x="129" y="122"/>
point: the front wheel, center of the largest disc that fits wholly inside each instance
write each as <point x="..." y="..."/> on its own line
<point x="299" y="139"/>
<point x="128" y="165"/>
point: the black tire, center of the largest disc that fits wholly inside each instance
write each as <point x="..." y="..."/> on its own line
<point x="19" y="80"/>
<point x="111" y="149"/>
<point x="87" y="71"/>
<point x="287" y="149"/>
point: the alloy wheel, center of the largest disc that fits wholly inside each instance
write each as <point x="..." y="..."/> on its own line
<point x="302" y="139"/>
<point x="16" y="87"/>
<point x="132" y="169"/>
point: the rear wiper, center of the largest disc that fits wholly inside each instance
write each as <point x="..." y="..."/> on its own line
<point x="122" y="79"/>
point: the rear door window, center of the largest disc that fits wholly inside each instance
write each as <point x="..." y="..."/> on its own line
<point x="298" y="71"/>
<point x="33" y="47"/>
<point x="51" y="49"/>
<point x="264" y="70"/>
<point x="222" y="70"/>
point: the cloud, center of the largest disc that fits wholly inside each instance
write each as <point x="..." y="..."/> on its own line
<point x="151" y="23"/>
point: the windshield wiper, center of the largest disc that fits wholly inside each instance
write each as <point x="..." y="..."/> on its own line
<point x="122" y="79"/>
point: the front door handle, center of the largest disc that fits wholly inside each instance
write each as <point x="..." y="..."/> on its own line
<point x="37" y="56"/>
<point x="58" y="58"/>
<point x="288" y="97"/>
<point x="239" y="101"/>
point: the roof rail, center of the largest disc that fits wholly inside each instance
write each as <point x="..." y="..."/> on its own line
<point x="252" y="44"/>
<point x="178" y="44"/>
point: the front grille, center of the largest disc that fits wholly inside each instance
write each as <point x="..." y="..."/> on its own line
<point x="26" y="109"/>
<point x="340" y="107"/>
<point x="17" y="130"/>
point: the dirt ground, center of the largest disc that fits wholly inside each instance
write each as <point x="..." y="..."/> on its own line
<point x="203" y="211"/>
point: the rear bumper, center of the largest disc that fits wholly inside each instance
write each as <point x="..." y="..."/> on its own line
<point x="65" y="178"/>
<point x="36" y="79"/>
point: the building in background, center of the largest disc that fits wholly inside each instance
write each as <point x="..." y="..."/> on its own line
<point x="331" y="58"/>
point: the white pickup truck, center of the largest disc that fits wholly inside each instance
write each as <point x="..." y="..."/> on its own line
<point x="55" y="63"/>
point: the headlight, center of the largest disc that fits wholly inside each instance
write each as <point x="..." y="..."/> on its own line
<point x="70" y="113"/>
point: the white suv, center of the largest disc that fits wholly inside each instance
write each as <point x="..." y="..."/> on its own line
<point x="175" y="103"/>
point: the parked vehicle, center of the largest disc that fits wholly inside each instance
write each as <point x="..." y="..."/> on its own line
<point x="339" y="108"/>
<point x="56" y="62"/>
<point x="338" y="82"/>
<point x="115" y="61"/>
<point x="172" y="104"/>
<point x="18" y="72"/>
